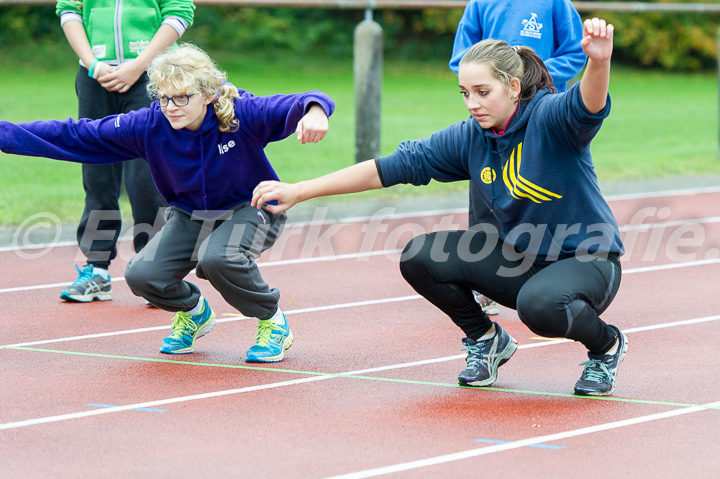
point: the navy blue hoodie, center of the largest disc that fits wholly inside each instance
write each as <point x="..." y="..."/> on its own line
<point x="194" y="170"/>
<point x="538" y="178"/>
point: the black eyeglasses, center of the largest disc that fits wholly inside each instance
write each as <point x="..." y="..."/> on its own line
<point x="178" y="100"/>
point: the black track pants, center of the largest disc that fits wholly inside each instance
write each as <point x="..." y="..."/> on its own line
<point x="562" y="299"/>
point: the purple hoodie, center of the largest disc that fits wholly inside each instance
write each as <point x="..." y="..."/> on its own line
<point x="194" y="170"/>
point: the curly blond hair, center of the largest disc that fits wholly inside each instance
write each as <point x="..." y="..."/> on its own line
<point x="188" y="68"/>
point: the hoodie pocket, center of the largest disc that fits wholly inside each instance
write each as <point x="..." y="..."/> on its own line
<point x="138" y="27"/>
<point x="100" y="33"/>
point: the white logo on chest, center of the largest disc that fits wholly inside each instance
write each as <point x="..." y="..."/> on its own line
<point x="531" y="27"/>
<point x="225" y="148"/>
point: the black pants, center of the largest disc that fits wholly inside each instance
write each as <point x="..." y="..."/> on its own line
<point x="101" y="221"/>
<point x="560" y="299"/>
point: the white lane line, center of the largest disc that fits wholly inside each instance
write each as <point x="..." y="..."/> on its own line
<point x="669" y="224"/>
<point x="662" y="267"/>
<point x="414" y="214"/>
<point x="335" y="257"/>
<point x="224" y="320"/>
<point x="152" y="404"/>
<point x="328" y="307"/>
<point x="227" y="392"/>
<point x="431" y="461"/>
<point x="59" y="244"/>
<point x="160" y="402"/>
<point x="664" y="194"/>
<point x="301" y="224"/>
<point x="46" y="286"/>
<point x="269" y="264"/>
<point x="319" y="259"/>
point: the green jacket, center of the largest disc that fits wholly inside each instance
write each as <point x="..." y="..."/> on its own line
<point x="119" y="30"/>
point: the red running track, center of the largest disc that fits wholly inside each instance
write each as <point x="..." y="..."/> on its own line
<point x="369" y="387"/>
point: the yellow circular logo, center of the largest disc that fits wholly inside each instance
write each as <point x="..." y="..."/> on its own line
<point x="487" y="175"/>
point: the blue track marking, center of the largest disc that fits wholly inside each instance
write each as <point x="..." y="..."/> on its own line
<point x="544" y="446"/>
<point x="148" y="409"/>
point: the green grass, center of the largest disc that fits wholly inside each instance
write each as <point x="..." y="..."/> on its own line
<point x="661" y="125"/>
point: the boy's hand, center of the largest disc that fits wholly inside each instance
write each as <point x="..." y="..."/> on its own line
<point x="313" y="126"/>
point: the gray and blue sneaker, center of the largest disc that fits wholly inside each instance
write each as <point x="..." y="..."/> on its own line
<point x="485" y="357"/>
<point x="600" y="373"/>
<point x="88" y="287"/>
<point x="187" y="328"/>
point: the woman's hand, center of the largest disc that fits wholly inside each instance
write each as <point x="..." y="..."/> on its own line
<point x="597" y="41"/>
<point x="313" y="126"/>
<point x="284" y="193"/>
<point x="358" y="177"/>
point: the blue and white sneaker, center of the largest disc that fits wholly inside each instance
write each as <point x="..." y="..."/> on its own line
<point x="271" y="341"/>
<point x="88" y="287"/>
<point x="187" y="328"/>
<point x="485" y="357"/>
<point x="600" y="374"/>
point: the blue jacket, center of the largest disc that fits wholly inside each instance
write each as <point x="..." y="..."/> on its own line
<point x="194" y="170"/>
<point x="537" y="179"/>
<point x="550" y="27"/>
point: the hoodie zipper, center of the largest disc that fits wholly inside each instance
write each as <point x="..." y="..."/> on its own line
<point x="202" y="174"/>
<point x="119" y="50"/>
<point x="497" y="154"/>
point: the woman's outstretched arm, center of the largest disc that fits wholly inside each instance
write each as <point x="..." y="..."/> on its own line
<point x="597" y="43"/>
<point x="353" y="179"/>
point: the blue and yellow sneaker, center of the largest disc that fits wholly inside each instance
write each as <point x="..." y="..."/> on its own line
<point x="88" y="287"/>
<point x="187" y="328"/>
<point x="271" y="341"/>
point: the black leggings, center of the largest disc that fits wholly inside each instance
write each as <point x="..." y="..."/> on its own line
<point x="561" y="299"/>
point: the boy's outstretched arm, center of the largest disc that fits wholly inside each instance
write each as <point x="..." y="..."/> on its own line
<point x="313" y="126"/>
<point x="597" y="43"/>
<point x="353" y="179"/>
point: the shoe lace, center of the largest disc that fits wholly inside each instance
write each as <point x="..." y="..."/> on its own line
<point x="477" y="353"/>
<point x="84" y="274"/>
<point x="265" y="330"/>
<point x="595" y="371"/>
<point x="182" y="323"/>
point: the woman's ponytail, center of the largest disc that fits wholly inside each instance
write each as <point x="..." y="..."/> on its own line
<point x="536" y="76"/>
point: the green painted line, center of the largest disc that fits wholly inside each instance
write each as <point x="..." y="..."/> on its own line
<point x="370" y="378"/>
<point x="160" y="360"/>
